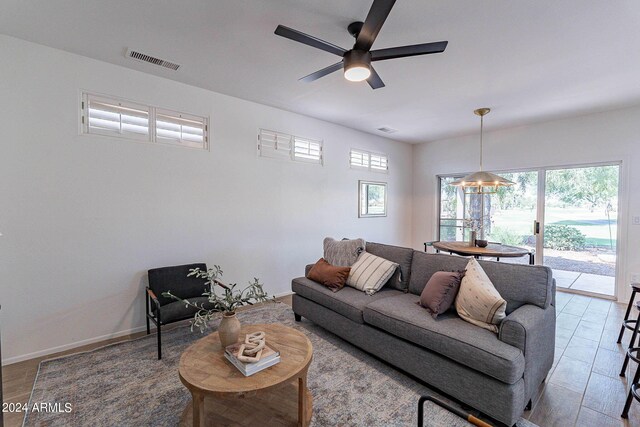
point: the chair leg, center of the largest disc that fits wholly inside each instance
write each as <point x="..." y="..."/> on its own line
<point x="159" y="341"/>
<point x="627" y="404"/>
<point x="626" y="315"/>
<point x="148" y="326"/>
<point x="297" y="317"/>
<point x="631" y="344"/>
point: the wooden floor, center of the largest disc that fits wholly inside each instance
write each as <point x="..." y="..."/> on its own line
<point x="582" y="389"/>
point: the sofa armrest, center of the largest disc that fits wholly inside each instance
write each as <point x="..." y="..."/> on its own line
<point x="529" y="327"/>
<point x="533" y="330"/>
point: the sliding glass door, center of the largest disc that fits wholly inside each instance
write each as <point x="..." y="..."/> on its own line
<point x="567" y="216"/>
<point x="580" y="227"/>
<point x="513" y="211"/>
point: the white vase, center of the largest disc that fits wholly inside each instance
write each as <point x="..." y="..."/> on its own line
<point x="229" y="329"/>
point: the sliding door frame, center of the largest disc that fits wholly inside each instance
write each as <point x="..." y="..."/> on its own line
<point x="620" y="292"/>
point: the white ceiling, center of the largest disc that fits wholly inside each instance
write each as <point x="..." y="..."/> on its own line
<point x="529" y="61"/>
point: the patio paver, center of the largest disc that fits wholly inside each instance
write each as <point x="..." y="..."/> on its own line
<point x="595" y="283"/>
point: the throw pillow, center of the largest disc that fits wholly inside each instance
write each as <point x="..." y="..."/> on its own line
<point x="328" y="275"/>
<point x="342" y="252"/>
<point x="478" y="301"/>
<point x="370" y="273"/>
<point x="440" y="292"/>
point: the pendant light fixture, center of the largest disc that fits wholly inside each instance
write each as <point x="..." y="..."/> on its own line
<point x="481" y="182"/>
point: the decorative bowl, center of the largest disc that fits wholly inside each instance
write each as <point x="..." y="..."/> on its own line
<point x="481" y="243"/>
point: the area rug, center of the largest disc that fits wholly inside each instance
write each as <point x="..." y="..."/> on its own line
<point x="124" y="384"/>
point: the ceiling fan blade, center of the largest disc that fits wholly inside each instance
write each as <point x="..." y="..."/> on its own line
<point x="413" y="50"/>
<point x="303" y="38"/>
<point x="321" y="73"/>
<point x="378" y="13"/>
<point x="374" y="80"/>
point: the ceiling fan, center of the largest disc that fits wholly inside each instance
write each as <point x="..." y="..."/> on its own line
<point x="356" y="62"/>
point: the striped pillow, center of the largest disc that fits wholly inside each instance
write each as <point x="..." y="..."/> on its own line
<point x="370" y="273"/>
<point x="478" y="301"/>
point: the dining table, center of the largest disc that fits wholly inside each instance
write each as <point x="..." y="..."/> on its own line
<point x="492" y="250"/>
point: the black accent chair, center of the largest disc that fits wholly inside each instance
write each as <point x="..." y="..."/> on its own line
<point x="162" y="310"/>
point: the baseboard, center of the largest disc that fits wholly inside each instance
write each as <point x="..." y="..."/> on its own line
<point x="71" y="346"/>
<point x="76" y="344"/>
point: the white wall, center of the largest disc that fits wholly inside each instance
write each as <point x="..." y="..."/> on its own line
<point x="84" y="217"/>
<point x="604" y="137"/>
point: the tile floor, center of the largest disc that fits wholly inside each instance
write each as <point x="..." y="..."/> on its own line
<point x="584" y="387"/>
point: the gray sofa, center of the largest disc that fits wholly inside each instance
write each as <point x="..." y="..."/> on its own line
<point x="495" y="374"/>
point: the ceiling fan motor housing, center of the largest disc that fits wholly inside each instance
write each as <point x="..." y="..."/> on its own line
<point x="357" y="58"/>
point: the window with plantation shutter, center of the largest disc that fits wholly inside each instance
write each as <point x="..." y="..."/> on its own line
<point x="359" y="159"/>
<point x="307" y="150"/>
<point x="181" y="129"/>
<point x="117" y="118"/>
<point x="280" y="145"/>
<point x="378" y="162"/>
<point x="274" y="144"/>
<point x="375" y="162"/>
<point x="104" y="115"/>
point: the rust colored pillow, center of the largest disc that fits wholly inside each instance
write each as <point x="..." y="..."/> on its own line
<point x="440" y="292"/>
<point x="332" y="277"/>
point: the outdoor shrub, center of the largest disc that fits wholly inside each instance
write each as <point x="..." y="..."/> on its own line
<point x="564" y="238"/>
<point x="506" y="236"/>
<point x="447" y="233"/>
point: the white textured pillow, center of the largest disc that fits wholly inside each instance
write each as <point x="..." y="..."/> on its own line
<point x="370" y="273"/>
<point x="478" y="301"/>
<point x="342" y="253"/>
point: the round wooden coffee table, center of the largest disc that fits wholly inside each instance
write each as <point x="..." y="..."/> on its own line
<point x="275" y="393"/>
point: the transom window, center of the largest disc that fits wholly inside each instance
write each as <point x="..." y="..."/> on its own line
<point x="375" y="162"/>
<point x="281" y="145"/>
<point x="115" y="117"/>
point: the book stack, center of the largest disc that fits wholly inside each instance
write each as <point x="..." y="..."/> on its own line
<point x="268" y="358"/>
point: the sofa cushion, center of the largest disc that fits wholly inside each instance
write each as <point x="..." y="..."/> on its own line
<point x="370" y="273"/>
<point x="331" y="276"/>
<point x="342" y="253"/>
<point x="348" y="302"/>
<point x="449" y="336"/>
<point x="518" y="284"/>
<point x="399" y="255"/>
<point x="521" y="284"/>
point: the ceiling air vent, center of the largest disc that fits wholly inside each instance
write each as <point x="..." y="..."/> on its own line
<point x="387" y="129"/>
<point x="138" y="56"/>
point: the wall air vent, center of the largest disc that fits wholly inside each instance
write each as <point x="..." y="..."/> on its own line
<point x="387" y="129"/>
<point x="142" y="57"/>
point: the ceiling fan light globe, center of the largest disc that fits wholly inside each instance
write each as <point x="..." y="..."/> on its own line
<point x="357" y="73"/>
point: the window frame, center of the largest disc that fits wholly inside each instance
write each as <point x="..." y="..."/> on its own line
<point x="182" y="142"/>
<point x="152" y="112"/>
<point x="439" y="207"/>
<point x="384" y="158"/>
<point x="87" y="129"/>
<point x="366" y="214"/>
<point x="267" y="150"/>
